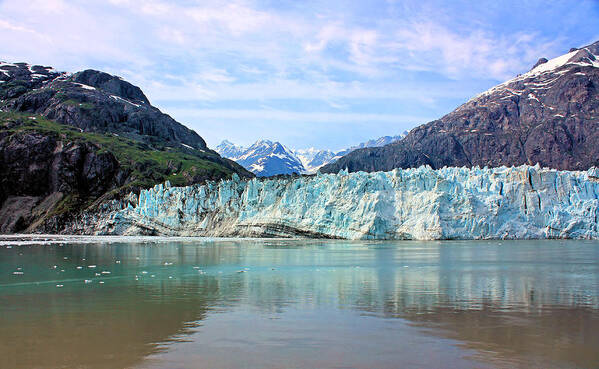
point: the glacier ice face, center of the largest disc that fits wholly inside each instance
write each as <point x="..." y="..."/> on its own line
<point x="425" y="204"/>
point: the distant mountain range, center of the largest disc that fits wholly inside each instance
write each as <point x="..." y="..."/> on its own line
<point x="263" y="158"/>
<point x="267" y="158"/>
<point x="549" y="115"/>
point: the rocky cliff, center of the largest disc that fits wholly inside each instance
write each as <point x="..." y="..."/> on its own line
<point x="451" y="203"/>
<point x="68" y="142"/>
<point x="549" y="115"/>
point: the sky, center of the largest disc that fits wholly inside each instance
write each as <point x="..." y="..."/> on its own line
<point x="324" y="74"/>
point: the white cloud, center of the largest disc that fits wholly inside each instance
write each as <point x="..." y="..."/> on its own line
<point x="14" y="27"/>
<point x="172" y="35"/>
<point x="293" y="116"/>
<point x="327" y="91"/>
<point x="294" y="43"/>
<point x="219" y="51"/>
<point x="216" y="75"/>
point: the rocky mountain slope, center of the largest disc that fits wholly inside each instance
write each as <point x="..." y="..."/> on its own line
<point x="266" y="158"/>
<point x="450" y="203"/>
<point x="68" y="141"/>
<point x="549" y="115"/>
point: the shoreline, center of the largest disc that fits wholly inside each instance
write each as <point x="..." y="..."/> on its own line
<point x="60" y="239"/>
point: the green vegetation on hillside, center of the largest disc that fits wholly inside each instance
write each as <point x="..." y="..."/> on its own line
<point x="147" y="165"/>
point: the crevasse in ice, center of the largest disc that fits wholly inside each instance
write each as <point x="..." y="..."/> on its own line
<point x="422" y="203"/>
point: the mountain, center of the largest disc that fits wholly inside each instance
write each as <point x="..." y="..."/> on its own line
<point x="267" y="158"/>
<point x="312" y="159"/>
<point x="71" y="141"/>
<point x="381" y="141"/>
<point x="264" y="158"/>
<point x="549" y="115"/>
<point x="229" y="150"/>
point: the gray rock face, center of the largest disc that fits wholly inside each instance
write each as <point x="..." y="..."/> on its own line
<point x="39" y="171"/>
<point x="549" y="115"/>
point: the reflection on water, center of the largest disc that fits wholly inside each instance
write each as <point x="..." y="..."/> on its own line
<point x="300" y="304"/>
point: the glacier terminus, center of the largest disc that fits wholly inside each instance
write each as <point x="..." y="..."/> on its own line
<point x="525" y="202"/>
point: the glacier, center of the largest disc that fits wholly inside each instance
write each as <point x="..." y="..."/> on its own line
<point x="525" y="202"/>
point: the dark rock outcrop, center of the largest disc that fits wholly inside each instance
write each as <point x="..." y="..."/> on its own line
<point x="110" y="84"/>
<point x="549" y="116"/>
<point x="40" y="172"/>
<point x="539" y="62"/>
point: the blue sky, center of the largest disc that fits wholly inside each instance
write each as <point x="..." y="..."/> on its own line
<point x="327" y="74"/>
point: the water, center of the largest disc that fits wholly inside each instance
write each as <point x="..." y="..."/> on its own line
<point x="296" y="304"/>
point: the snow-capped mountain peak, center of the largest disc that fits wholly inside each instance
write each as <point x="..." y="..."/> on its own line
<point x="586" y="56"/>
<point x="263" y="158"/>
<point x="230" y="150"/>
<point x="268" y="158"/>
<point x="312" y="159"/>
<point x="546" y="72"/>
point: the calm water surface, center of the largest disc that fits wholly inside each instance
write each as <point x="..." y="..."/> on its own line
<point x="300" y="304"/>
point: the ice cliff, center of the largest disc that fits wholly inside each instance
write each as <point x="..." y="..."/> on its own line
<point x="451" y="203"/>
